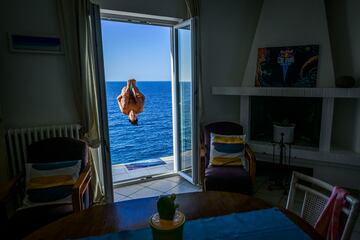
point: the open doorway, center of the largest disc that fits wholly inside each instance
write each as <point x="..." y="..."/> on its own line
<point x="142" y="52"/>
<point x="159" y="55"/>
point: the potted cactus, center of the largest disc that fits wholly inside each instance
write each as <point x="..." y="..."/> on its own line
<point x="168" y="222"/>
<point x="166" y="207"/>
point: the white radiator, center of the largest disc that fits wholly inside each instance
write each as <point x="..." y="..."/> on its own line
<point x="17" y="141"/>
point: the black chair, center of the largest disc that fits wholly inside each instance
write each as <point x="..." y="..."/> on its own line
<point x="227" y="178"/>
<point x="27" y="220"/>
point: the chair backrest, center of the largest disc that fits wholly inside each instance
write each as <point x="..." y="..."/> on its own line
<point x="314" y="196"/>
<point x="58" y="149"/>
<point x="226" y="128"/>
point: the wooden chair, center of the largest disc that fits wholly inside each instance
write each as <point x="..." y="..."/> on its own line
<point x="313" y="195"/>
<point x="227" y="178"/>
<point x="26" y="220"/>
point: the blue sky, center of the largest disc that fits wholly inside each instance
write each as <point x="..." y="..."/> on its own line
<point x="135" y="51"/>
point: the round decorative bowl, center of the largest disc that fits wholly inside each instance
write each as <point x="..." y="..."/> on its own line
<point x="345" y="82"/>
<point x="167" y="229"/>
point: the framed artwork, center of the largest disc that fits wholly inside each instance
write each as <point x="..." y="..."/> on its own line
<point x="295" y="66"/>
<point x="35" y="44"/>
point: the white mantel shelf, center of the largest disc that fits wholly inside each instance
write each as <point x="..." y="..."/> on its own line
<point x="288" y="92"/>
<point x="325" y="152"/>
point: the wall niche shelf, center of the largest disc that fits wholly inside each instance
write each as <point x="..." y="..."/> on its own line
<point x="328" y="146"/>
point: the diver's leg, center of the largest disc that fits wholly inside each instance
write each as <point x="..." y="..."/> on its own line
<point x="129" y="83"/>
<point x="125" y="96"/>
<point x="133" y="89"/>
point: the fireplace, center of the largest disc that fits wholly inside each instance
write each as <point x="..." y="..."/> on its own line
<point x="304" y="113"/>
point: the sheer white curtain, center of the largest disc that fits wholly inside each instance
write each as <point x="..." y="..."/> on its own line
<point x="76" y="19"/>
<point x="193" y="8"/>
<point x="4" y="168"/>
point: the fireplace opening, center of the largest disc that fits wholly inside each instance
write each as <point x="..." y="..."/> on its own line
<point x="304" y="113"/>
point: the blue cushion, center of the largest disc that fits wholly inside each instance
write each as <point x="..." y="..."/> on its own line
<point x="227" y="150"/>
<point x="48" y="183"/>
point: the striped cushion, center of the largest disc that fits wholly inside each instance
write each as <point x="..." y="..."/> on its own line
<point x="227" y="150"/>
<point x="48" y="183"/>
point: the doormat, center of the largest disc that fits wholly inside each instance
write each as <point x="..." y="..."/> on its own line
<point x="144" y="163"/>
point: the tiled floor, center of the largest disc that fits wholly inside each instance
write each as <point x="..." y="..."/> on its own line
<point x="121" y="173"/>
<point x="275" y="197"/>
<point x="174" y="184"/>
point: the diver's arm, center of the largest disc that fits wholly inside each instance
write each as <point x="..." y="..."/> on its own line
<point x="123" y="100"/>
<point x="140" y="102"/>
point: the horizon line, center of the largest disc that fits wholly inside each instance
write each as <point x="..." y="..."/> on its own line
<point x="138" y="80"/>
<point x="143" y="81"/>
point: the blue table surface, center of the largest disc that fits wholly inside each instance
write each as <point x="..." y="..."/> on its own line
<point x="261" y="224"/>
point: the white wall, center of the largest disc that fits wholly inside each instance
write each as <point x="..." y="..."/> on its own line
<point x="335" y="174"/>
<point x="299" y="22"/>
<point x="353" y="7"/>
<point x="356" y="140"/>
<point x="344" y="121"/>
<point x="34" y="88"/>
<point x="291" y="23"/>
<point x="344" y="22"/>
<point x="353" y="18"/>
<point x="338" y="175"/>
<point x="227" y="31"/>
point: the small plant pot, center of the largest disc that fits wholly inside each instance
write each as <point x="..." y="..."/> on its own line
<point x="167" y="229"/>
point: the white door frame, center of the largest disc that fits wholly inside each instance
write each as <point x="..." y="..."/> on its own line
<point x="176" y="122"/>
<point x="131" y="18"/>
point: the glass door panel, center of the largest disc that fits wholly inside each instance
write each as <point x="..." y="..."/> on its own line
<point x="184" y="83"/>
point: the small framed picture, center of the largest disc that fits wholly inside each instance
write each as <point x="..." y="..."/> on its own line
<point x="35" y="44"/>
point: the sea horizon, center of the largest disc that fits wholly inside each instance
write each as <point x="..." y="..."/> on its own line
<point x="138" y="80"/>
<point x="152" y="138"/>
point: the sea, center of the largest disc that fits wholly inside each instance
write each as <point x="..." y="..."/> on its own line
<point x="152" y="138"/>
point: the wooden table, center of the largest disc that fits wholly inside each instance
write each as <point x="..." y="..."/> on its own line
<point x="135" y="214"/>
<point x="7" y="188"/>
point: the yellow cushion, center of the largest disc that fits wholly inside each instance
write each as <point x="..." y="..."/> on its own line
<point x="50" y="181"/>
<point x="223" y="161"/>
<point x="227" y="150"/>
<point x="228" y="139"/>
